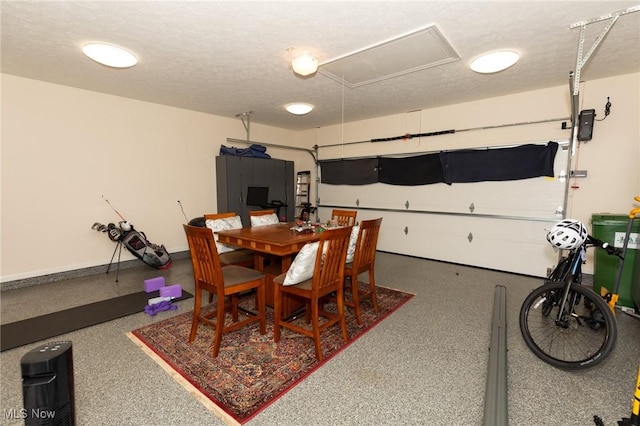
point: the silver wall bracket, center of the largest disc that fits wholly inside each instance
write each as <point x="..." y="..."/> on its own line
<point x="247" y="123"/>
<point x="582" y="61"/>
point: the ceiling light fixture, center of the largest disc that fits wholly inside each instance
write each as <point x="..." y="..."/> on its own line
<point x="299" y="108"/>
<point x="304" y="64"/>
<point x="111" y="56"/>
<point x="494" y="61"/>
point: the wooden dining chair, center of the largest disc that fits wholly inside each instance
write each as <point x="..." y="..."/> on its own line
<point x="344" y="217"/>
<point x="328" y="277"/>
<point x="209" y="275"/>
<point x="263" y="217"/>
<point x="364" y="260"/>
<point x="240" y="257"/>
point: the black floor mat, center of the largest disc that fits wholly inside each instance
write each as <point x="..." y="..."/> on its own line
<point x="19" y="333"/>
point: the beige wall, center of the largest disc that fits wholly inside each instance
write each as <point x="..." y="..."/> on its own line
<point x="63" y="148"/>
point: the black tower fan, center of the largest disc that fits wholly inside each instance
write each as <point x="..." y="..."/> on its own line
<point x="47" y="385"/>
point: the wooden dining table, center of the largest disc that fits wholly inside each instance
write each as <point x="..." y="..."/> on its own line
<point x="278" y="241"/>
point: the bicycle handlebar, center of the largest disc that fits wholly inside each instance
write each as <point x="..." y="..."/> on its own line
<point x="612" y="251"/>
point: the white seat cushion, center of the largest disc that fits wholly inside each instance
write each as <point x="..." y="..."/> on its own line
<point x="353" y="239"/>
<point x="265" y="219"/>
<point x="223" y="225"/>
<point x="302" y="267"/>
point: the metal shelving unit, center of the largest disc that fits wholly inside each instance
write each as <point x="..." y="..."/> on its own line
<point x="303" y="187"/>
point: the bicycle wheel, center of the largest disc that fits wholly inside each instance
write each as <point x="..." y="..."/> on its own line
<point x="582" y="337"/>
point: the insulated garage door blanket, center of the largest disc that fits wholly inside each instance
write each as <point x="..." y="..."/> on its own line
<point x="473" y="165"/>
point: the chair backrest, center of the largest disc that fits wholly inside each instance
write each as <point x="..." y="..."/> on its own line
<point x="207" y="270"/>
<point x="261" y="212"/>
<point x="330" y="259"/>
<point x="219" y="222"/>
<point x="214" y="216"/>
<point x="365" y="254"/>
<point x="344" y="217"/>
<point x="263" y="217"/>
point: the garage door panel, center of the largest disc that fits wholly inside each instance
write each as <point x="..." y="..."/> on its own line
<point x="541" y="198"/>
<point x="515" y="246"/>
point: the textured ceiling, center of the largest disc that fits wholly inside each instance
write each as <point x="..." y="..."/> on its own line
<point x="229" y="57"/>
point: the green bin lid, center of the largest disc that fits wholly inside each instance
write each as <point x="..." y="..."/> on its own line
<point x="609" y="219"/>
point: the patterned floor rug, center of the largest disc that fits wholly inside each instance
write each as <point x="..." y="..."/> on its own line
<point x="251" y="370"/>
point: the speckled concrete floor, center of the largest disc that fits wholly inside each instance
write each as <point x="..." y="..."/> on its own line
<point x="426" y="364"/>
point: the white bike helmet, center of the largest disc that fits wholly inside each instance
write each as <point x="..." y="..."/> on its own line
<point x="567" y="234"/>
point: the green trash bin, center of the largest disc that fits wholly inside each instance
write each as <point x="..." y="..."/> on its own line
<point x="612" y="229"/>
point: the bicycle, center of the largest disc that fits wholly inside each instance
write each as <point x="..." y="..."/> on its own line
<point x="564" y="323"/>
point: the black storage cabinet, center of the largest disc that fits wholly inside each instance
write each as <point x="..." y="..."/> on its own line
<point x="234" y="174"/>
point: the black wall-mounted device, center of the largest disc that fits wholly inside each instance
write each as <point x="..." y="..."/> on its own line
<point x="585" y="124"/>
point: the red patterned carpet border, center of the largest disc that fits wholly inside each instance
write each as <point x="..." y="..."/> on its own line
<point x="251" y="370"/>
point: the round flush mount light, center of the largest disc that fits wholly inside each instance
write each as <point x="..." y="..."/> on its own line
<point x="304" y="64"/>
<point x="299" y="108"/>
<point x="111" y="56"/>
<point x="494" y="61"/>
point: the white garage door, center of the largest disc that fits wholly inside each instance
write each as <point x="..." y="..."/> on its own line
<point x="496" y="225"/>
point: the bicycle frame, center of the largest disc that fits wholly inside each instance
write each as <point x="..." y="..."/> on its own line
<point x="574" y="258"/>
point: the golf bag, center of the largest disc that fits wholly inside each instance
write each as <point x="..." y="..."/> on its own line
<point x="136" y="242"/>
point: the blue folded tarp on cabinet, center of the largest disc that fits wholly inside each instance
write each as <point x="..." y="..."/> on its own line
<point x="254" y="150"/>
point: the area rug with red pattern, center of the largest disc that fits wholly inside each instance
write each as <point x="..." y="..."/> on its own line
<point x="251" y="370"/>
